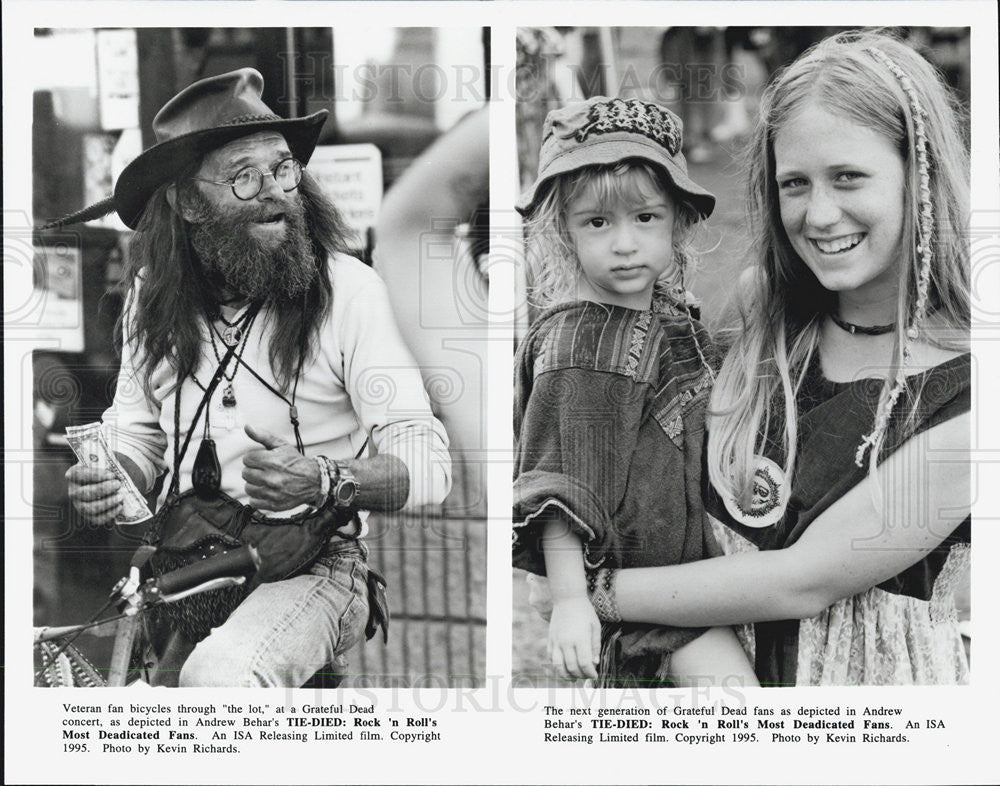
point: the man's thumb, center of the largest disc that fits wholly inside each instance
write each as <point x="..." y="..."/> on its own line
<point x="265" y="438"/>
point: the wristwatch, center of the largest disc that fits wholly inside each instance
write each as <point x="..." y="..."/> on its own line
<point x="344" y="487"/>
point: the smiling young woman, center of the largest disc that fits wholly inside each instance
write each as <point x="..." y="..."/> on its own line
<point x="840" y="189"/>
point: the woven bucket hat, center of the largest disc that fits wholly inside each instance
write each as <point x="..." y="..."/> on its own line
<point x="605" y="131"/>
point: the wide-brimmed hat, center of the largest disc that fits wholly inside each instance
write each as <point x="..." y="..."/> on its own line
<point x="201" y="118"/>
<point x="605" y="130"/>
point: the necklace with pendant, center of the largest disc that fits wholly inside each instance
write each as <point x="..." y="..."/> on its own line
<point x="233" y="332"/>
<point x="232" y="335"/>
<point x="241" y="328"/>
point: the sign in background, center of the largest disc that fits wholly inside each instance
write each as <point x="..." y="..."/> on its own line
<point x="352" y="176"/>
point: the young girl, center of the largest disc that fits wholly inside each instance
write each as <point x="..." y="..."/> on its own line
<point x="611" y="384"/>
<point x="839" y="434"/>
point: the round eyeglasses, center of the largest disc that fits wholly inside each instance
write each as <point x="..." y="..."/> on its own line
<point x="249" y="181"/>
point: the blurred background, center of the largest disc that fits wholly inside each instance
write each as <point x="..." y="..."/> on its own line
<point x="712" y="77"/>
<point x="404" y="154"/>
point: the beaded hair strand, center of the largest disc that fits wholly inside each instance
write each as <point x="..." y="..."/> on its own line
<point x="925" y="248"/>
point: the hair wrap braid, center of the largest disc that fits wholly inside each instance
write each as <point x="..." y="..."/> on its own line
<point x="925" y="248"/>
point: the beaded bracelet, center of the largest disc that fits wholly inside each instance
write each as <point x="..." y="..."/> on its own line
<point x="324" y="481"/>
<point x="333" y="472"/>
<point x="601" y="589"/>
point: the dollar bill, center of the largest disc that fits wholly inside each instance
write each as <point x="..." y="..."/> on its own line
<point x="92" y="449"/>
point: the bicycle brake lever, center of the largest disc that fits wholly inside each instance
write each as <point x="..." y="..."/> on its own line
<point x="129" y="585"/>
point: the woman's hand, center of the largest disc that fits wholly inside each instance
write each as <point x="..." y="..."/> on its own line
<point x="95" y="493"/>
<point x="575" y="637"/>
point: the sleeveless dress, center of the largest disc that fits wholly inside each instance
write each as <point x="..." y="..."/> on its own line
<point x="901" y="632"/>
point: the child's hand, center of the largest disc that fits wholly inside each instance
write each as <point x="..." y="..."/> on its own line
<point x="575" y="637"/>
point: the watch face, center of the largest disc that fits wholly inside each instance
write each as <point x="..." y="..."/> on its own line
<point x="347" y="490"/>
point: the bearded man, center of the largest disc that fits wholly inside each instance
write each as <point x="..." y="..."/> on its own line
<point x="239" y="266"/>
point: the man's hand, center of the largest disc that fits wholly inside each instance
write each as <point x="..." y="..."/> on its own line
<point x="95" y="493"/>
<point x="575" y="637"/>
<point x="278" y="477"/>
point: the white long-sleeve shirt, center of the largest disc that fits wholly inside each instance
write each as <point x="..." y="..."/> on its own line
<point x="362" y="380"/>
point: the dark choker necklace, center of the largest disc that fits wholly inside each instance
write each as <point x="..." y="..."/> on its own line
<point x="874" y="330"/>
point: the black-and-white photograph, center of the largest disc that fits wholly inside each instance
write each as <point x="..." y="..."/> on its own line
<point x="743" y="372"/>
<point x="506" y="391"/>
<point x="258" y="334"/>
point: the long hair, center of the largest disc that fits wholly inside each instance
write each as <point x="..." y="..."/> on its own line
<point x="175" y="293"/>
<point x="784" y="303"/>
<point x="551" y="258"/>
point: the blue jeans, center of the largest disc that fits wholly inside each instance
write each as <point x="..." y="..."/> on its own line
<point x="285" y="631"/>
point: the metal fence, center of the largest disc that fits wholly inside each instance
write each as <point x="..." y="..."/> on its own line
<point x="436" y="572"/>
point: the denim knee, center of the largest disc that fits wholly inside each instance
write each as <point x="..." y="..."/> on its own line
<point x="212" y="667"/>
<point x="285" y="631"/>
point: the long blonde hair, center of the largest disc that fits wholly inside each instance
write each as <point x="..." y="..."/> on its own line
<point x="783" y="308"/>
<point x="553" y="266"/>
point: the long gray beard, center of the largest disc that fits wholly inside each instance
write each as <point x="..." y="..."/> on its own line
<point x="260" y="271"/>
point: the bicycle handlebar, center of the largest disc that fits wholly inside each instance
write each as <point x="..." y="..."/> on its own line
<point x="243" y="561"/>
